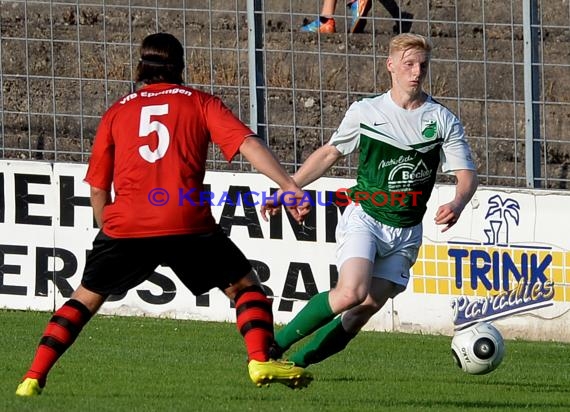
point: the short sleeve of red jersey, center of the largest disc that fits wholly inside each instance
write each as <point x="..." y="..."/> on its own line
<point x="226" y="130"/>
<point x="100" y="170"/>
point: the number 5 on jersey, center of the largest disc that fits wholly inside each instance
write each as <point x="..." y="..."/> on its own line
<point x="146" y="127"/>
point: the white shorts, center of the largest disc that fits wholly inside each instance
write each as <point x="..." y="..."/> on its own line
<point x="392" y="250"/>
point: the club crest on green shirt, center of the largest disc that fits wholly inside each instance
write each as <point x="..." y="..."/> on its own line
<point x="430" y="130"/>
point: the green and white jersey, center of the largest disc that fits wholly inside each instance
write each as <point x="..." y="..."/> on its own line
<point x="399" y="154"/>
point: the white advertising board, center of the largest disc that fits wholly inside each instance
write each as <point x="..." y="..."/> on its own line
<point x="505" y="260"/>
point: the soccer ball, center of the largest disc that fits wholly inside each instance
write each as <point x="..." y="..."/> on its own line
<point x="478" y="349"/>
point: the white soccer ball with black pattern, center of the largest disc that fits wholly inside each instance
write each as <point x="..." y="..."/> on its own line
<point x="478" y="349"/>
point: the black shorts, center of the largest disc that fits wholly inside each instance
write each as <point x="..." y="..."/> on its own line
<point x="201" y="261"/>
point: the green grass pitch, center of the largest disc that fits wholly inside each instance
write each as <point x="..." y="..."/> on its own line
<point x="149" y="364"/>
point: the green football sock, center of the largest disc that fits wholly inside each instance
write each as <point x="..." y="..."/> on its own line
<point x="316" y="313"/>
<point x="330" y="339"/>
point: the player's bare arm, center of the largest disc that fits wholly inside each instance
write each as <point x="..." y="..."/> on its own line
<point x="260" y="157"/>
<point x="465" y="188"/>
<point x="317" y="164"/>
<point x="314" y="167"/>
<point x="99" y="199"/>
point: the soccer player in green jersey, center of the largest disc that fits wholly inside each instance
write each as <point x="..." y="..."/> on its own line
<point x="402" y="136"/>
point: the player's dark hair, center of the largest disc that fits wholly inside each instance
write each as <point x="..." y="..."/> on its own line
<point x="161" y="61"/>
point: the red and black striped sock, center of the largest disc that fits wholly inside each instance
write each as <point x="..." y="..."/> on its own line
<point x="255" y="321"/>
<point x="61" y="331"/>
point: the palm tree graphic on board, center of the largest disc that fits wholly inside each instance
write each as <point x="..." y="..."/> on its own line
<point x="499" y="214"/>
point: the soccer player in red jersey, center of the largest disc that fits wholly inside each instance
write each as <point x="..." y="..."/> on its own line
<point x="150" y="145"/>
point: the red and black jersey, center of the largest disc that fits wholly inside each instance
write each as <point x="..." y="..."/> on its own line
<point x="151" y="147"/>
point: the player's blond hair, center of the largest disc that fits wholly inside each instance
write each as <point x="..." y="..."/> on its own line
<point x="406" y="41"/>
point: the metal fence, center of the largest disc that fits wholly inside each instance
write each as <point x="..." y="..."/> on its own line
<point x="502" y="66"/>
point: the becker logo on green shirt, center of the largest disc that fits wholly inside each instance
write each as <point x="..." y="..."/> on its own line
<point x="408" y="176"/>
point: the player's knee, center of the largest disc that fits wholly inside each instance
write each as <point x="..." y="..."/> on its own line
<point x="345" y="299"/>
<point x="396" y="290"/>
<point x="354" y="320"/>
